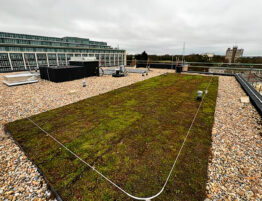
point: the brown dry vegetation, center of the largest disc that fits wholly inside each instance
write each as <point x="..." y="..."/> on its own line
<point x="132" y="135"/>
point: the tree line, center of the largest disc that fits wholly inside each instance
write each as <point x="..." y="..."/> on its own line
<point x="191" y="58"/>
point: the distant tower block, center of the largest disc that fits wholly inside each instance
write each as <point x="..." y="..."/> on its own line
<point x="234" y="54"/>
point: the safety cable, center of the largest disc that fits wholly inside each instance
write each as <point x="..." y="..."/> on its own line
<point x="114" y="184"/>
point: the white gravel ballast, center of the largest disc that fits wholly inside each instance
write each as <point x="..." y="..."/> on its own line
<point x="234" y="172"/>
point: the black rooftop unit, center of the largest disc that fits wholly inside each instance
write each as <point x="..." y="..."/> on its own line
<point x="76" y="70"/>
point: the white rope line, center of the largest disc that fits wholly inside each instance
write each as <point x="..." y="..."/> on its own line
<point x="250" y="89"/>
<point x="114" y="184"/>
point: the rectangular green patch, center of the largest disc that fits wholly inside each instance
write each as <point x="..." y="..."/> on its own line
<point x="132" y="135"/>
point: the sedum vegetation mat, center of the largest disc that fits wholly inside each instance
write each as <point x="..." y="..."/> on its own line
<point x="132" y="135"/>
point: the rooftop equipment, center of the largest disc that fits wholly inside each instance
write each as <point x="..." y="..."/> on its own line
<point x="199" y="95"/>
<point x="121" y="72"/>
<point x="179" y="68"/>
<point x="21" y="78"/>
<point x="79" y="67"/>
<point x="83" y="59"/>
<point x="84" y="83"/>
<point x="108" y="71"/>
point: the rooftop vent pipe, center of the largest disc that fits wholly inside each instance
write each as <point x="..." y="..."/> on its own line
<point x="199" y="95"/>
<point x="84" y="83"/>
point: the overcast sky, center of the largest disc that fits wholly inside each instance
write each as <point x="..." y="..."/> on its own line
<point x="156" y="26"/>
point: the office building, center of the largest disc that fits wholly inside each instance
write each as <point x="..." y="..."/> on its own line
<point x="233" y="55"/>
<point x="23" y="52"/>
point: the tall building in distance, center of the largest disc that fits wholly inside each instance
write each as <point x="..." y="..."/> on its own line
<point x="232" y="55"/>
<point x="22" y="51"/>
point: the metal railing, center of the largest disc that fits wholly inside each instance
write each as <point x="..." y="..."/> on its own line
<point x="252" y="73"/>
<point x="254" y="78"/>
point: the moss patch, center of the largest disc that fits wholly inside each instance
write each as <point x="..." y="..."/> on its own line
<point x="131" y="135"/>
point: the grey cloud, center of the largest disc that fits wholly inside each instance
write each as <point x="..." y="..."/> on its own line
<point x="157" y="26"/>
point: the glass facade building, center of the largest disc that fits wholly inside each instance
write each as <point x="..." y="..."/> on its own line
<point x="22" y="51"/>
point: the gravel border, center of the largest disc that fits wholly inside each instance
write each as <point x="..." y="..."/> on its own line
<point x="234" y="171"/>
